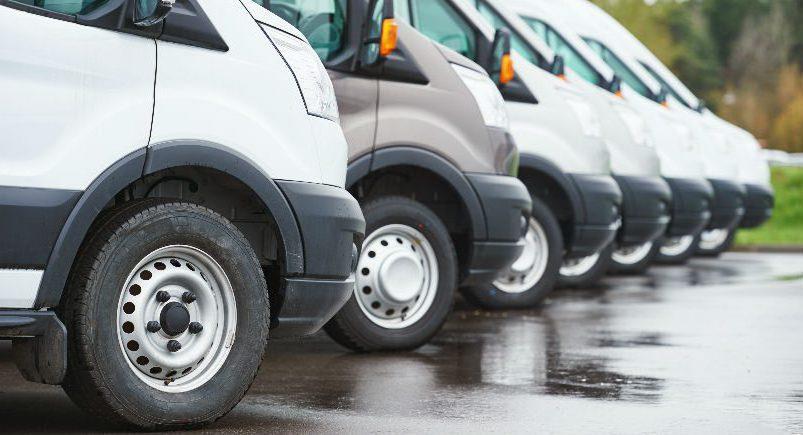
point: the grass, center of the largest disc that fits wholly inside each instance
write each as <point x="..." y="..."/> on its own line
<point x="786" y="225"/>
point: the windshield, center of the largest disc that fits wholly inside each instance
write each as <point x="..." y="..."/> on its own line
<point x="561" y="47"/>
<point x="323" y="22"/>
<point x="623" y="71"/>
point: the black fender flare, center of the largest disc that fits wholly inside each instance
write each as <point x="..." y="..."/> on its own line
<point x="150" y="160"/>
<point x="417" y="157"/>
<point x="551" y="170"/>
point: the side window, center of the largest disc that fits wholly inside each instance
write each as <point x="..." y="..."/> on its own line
<point x="401" y="8"/>
<point x="68" y="7"/>
<point x="323" y="22"/>
<point x="516" y="42"/>
<point x="562" y="47"/>
<point x="619" y="67"/>
<point x="665" y="85"/>
<point x="439" y="22"/>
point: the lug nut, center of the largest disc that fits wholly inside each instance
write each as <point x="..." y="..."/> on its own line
<point x="188" y="297"/>
<point x="162" y="296"/>
<point x="173" y="346"/>
<point x="195" y="328"/>
<point x="153" y="326"/>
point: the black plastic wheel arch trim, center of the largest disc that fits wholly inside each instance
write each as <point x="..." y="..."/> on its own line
<point x="417" y="157"/>
<point x="551" y="170"/>
<point x="30" y="221"/>
<point x="146" y="161"/>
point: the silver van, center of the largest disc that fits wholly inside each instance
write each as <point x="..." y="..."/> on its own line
<point x="430" y="160"/>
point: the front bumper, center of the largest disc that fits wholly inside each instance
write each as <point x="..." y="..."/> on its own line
<point x="506" y="205"/>
<point x="598" y="221"/>
<point x="691" y="206"/>
<point x="759" y="203"/>
<point x="728" y="206"/>
<point x="331" y="225"/>
<point x="645" y="209"/>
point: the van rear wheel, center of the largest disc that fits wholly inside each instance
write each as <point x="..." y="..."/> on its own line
<point x="405" y="279"/>
<point x="533" y="275"/>
<point x="167" y="317"/>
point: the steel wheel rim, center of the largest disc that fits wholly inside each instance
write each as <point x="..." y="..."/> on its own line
<point x="397" y="276"/>
<point x="579" y="266"/>
<point x="176" y="270"/>
<point x="632" y="255"/>
<point x="676" y="246"/>
<point x="713" y="239"/>
<point x="531" y="265"/>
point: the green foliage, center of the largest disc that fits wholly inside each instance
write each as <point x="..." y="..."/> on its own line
<point x="738" y="55"/>
<point x="786" y="225"/>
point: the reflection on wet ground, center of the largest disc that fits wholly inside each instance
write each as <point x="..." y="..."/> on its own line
<point x="712" y="347"/>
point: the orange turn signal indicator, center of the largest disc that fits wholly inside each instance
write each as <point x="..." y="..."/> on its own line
<point x="390" y="36"/>
<point x="506" y="72"/>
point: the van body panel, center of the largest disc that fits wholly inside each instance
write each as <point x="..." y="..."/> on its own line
<point x="76" y="91"/>
<point x="238" y="112"/>
<point x="357" y="98"/>
<point x="426" y="116"/>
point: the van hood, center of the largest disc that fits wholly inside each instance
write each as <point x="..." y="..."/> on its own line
<point x="457" y="58"/>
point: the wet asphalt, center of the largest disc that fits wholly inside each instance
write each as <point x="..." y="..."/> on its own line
<point x="714" y="347"/>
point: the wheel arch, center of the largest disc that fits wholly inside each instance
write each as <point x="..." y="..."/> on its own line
<point x="546" y="181"/>
<point x="133" y="167"/>
<point x="446" y="171"/>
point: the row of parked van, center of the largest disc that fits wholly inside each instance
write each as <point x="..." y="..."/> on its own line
<point x="183" y="178"/>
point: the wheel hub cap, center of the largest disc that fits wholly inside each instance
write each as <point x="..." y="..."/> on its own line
<point x="713" y="239"/>
<point x="177" y="318"/>
<point x="579" y="266"/>
<point x="631" y="254"/>
<point x="531" y="265"/>
<point x="400" y="277"/>
<point x="397" y="276"/>
<point x="676" y="246"/>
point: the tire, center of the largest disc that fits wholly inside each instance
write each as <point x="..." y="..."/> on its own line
<point x="715" y="249"/>
<point x="677" y="251"/>
<point x="635" y="261"/>
<point x="102" y="376"/>
<point x="538" y="280"/>
<point x="591" y="275"/>
<point x="407" y="233"/>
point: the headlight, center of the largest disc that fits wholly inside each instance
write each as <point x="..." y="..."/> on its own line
<point x="490" y="101"/>
<point x="589" y="121"/>
<point x="313" y="81"/>
<point x="635" y="125"/>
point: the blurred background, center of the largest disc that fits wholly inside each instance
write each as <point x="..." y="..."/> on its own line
<point x="745" y="59"/>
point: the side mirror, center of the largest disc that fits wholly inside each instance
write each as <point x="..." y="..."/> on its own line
<point x="615" y="86"/>
<point x="381" y="32"/>
<point x="558" y="67"/>
<point x="500" y="57"/>
<point x="150" y="12"/>
<point x="662" y="97"/>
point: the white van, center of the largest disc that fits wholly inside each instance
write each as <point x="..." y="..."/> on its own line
<point x="677" y="144"/>
<point x="157" y="222"/>
<point x="564" y="162"/>
<point x="634" y="160"/>
<point x="740" y="176"/>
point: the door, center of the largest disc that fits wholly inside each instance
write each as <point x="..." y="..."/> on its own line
<point x="75" y="98"/>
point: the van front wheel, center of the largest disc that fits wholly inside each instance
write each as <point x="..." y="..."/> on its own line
<point x="167" y="316"/>
<point x="405" y="279"/>
<point x="532" y="276"/>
